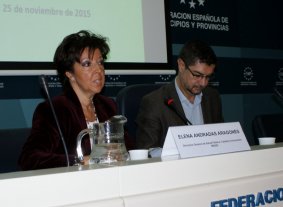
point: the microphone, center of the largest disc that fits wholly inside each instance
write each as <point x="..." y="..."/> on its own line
<point x="171" y="104"/>
<point x="42" y="78"/>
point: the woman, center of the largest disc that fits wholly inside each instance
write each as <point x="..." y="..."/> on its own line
<point x="79" y="60"/>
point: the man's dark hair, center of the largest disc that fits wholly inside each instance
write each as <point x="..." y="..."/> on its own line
<point x="197" y="51"/>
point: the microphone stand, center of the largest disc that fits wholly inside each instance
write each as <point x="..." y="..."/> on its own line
<point x="42" y="77"/>
<point x="170" y="103"/>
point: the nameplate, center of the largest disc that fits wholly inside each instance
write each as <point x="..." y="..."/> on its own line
<point x="207" y="139"/>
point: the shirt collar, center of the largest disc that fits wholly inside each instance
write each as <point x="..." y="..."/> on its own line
<point x="183" y="98"/>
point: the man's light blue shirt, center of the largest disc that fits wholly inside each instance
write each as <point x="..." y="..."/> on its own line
<point x="192" y="111"/>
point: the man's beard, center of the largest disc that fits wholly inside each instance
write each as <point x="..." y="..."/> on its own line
<point x="193" y="93"/>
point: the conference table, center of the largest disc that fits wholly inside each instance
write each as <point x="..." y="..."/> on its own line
<point x="248" y="178"/>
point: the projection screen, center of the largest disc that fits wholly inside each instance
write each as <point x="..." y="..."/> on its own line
<point x="32" y="29"/>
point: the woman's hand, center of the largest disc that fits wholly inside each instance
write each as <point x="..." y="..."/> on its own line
<point x="86" y="160"/>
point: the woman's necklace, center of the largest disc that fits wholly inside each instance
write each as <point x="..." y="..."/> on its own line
<point x="91" y="119"/>
<point x="90" y="114"/>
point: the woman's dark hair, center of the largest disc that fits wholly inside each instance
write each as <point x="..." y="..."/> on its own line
<point x="197" y="51"/>
<point x="70" y="49"/>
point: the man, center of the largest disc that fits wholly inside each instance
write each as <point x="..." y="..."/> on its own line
<point x="187" y="100"/>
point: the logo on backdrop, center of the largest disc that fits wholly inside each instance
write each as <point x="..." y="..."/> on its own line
<point x="197" y="20"/>
<point x="248" y="76"/>
<point x="280" y="74"/>
<point x="114" y="77"/>
<point x="192" y="3"/>
<point x="248" y="73"/>
<point x="54" y="82"/>
<point x="114" y="81"/>
<point x="279" y="81"/>
<point x="165" y="77"/>
<point x="213" y="81"/>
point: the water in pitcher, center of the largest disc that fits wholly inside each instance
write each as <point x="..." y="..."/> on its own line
<point x="109" y="150"/>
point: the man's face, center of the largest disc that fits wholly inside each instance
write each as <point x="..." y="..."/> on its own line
<point x="194" y="78"/>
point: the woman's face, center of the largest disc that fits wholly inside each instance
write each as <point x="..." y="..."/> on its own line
<point x="88" y="76"/>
